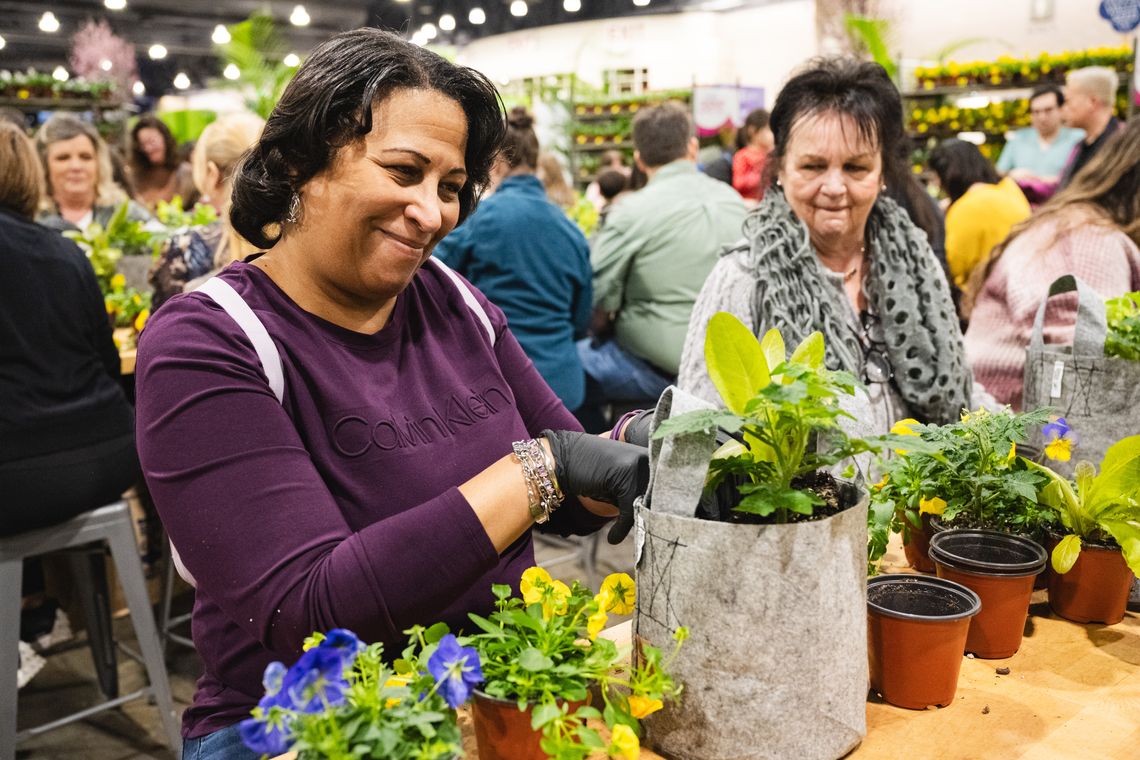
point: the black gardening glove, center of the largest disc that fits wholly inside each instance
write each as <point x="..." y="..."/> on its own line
<point x="637" y="429"/>
<point x="598" y="468"/>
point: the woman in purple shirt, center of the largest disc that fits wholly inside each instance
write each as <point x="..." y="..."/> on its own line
<point x="327" y="427"/>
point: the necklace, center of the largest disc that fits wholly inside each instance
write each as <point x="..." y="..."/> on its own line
<point x="855" y="270"/>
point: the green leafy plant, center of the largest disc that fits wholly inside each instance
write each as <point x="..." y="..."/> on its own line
<point x="543" y="650"/>
<point x="786" y="411"/>
<point x="1123" y="315"/>
<point x="258" y="50"/>
<point x="122" y="236"/>
<point x="174" y="217"/>
<point x="966" y="473"/>
<point x="1101" y="507"/>
<point x="126" y="307"/>
<point x="871" y="34"/>
<point x="341" y="701"/>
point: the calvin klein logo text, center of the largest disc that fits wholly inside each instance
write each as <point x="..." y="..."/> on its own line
<point x="353" y="435"/>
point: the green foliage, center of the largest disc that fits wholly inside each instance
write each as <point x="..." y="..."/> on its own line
<point x="543" y="649"/>
<point x="584" y="214"/>
<point x="871" y="34"/>
<point x="126" y="306"/>
<point x="786" y="411"/>
<point x="174" y="217"/>
<point x="121" y="237"/>
<point x="966" y="472"/>
<point x="390" y="712"/>
<point x="257" y="49"/>
<point x="1123" y="339"/>
<point x="1097" y="505"/>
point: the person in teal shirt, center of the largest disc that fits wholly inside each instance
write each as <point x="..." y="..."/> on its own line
<point x="531" y="261"/>
<point x="1038" y="154"/>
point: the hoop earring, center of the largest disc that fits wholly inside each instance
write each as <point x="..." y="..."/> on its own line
<point x="294" y="214"/>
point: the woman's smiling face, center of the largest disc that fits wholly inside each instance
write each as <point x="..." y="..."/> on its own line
<point x="831" y="175"/>
<point x="386" y="200"/>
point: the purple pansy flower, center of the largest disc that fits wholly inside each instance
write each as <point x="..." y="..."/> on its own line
<point x="315" y="680"/>
<point x="456" y="669"/>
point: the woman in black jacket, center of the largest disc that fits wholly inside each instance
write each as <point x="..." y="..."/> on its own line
<point x="66" y="429"/>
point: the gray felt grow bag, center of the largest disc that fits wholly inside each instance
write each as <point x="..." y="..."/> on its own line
<point x="776" y="662"/>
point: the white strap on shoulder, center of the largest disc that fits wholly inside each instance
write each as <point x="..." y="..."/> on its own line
<point x="234" y="305"/>
<point x="468" y="297"/>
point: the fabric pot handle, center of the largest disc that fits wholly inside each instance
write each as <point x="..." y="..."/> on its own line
<point x="678" y="465"/>
<point x="1091" y="327"/>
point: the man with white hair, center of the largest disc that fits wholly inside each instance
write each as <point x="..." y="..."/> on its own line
<point x="1089" y="96"/>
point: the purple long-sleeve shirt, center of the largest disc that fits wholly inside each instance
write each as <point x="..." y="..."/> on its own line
<point x="340" y="506"/>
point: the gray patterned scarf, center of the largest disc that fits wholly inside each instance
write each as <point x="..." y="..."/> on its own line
<point x="905" y="286"/>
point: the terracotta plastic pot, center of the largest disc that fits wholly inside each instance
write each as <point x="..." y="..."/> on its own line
<point x="918" y="544"/>
<point x="1000" y="569"/>
<point x="916" y="634"/>
<point x="503" y="732"/>
<point x="1095" y="590"/>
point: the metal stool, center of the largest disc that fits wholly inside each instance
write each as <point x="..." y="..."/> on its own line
<point x="112" y="524"/>
<point x="167" y="624"/>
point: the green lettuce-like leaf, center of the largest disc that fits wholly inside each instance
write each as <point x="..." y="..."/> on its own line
<point x="1065" y="553"/>
<point x="810" y="351"/>
<point x="1119" y="476"/>
<point x="1127" y="534"/>
<point x="735" y="361"/>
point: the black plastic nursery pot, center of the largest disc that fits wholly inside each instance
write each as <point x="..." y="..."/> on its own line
<point x="1000" y="568"/>
<point x="916" y="634"/>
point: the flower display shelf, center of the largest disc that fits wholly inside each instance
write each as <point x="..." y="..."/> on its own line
<point x="1010" y="72"/>
<point x="605" y="124"/>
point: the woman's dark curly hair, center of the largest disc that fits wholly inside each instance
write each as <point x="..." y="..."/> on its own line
<point x="328" y="105"/>
<point x="848" y="87"/>
<point x="139" y="159"/>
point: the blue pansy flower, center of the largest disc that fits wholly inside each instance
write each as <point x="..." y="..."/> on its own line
<point x="269" y="734"/>
<point x="314" y="681"/>
<point x="456" y="670"/>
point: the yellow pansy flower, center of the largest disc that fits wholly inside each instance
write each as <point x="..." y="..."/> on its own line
<point x="555" y="599"/>
<point x="640" y="706"/>
<point x="622" y="592"/>
<point x="595" y="623"/>
<point x="932" y="506"/>
<point x="1059" y="449"/>
<point x="1012" y="451"/>
<point x="879" y="486"/>
<point x="624" y="743"/>
<point x="395" y="682"/>
<point x="118" y="282"/>
<point x="903" y="427"/>
<point x="532" y="584"/>
<point x="140" y="320"/>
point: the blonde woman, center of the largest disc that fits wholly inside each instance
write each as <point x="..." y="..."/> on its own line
<point x="1090" y="229"/>
<point x="198" y="253"/>
<point x="80" y="185"/>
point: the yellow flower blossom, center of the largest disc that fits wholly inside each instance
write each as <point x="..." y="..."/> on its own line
<point x="624" y="743"/>
<point x="140" y="320"/>
<point x="1012" y="452"/>
<point x="932" y="506"/>
<point x="903" y="427"/>
<point x="555" y="599"/>
<point x="622" y="592"/>
<point x="532" y="584"/>
<point x="879" y="486"/>
<point x="640" y="706"/>
<point x="1059" y="449"/>
<point x="395" y="682"/>
<point x="596" y="622"/>
<point x="118" y="282"/>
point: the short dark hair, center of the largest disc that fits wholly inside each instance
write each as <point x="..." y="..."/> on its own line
<point x="959" y="164"/>
<point x="756" y="120"/>
<point x="661" y="135"/>
<point x="1048" y="89"/>
<point x="611" y="182"/>
<point x="328" y="105"/>
<point x="860" y="90"/>
<point x="139" y="158"/>
<point x="521" y="145"/>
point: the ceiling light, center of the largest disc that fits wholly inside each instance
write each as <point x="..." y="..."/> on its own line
<point x="60" y="74"/>
<point x="138" y="88"/>
<point x="221" y="35"/>
<point x="299" y="16"/>
<point x="429" y="32"/>
<point x="571" y="6"/>
<point x="156" y="52"/>
<point x="181" y="81"/>
<point x="419" y="39"/>
<point x="292" y="60"/>
<point x="518" y="8"/>
<point x="641" y="3"/>
<point x="3" y="42"/>
<point x="476" y="16"/>
<point x="48" y="22"/>
<point x="105" y="64"/>
<point x="447" y="22"/>
<point x="231" y="72"/>
<point x="114" y="5"/>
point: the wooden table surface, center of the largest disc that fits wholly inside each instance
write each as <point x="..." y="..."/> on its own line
<point x="1073" y="691"/>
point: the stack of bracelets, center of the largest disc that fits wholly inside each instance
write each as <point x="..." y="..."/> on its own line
<point x="542" y="490"/>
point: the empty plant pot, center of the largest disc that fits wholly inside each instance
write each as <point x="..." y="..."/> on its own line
<point x="502" y="730"/>
<point x="1095" y="590"/>
<point x="1000" y="569"/>
<point x="916" y="634"/>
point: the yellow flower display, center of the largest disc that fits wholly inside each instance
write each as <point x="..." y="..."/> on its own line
<point x="624" y="743"/>
<point x="622" y="593"/>
<point x="932" y="506"/>
<point x="640" y="706"/>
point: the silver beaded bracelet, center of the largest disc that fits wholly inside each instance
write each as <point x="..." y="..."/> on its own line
<point x="543" y="494"/>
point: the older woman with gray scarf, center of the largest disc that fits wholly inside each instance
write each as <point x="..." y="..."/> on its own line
<point x="826" y="250"/>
